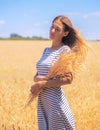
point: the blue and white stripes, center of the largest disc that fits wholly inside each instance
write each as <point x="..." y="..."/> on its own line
<point x="53" y="109"/>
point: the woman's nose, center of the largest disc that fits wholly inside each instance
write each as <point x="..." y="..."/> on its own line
<point x="53" y="29"/>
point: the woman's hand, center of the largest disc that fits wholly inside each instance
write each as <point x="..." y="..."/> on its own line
<point x="36" y="88"/>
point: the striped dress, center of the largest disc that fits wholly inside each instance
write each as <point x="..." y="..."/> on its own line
<point x="54" y="112"/>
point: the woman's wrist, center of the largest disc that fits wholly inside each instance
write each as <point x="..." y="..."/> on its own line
<point x="42" y="84"/>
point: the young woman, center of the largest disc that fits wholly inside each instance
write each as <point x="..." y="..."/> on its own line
<point x="54" y="112"/>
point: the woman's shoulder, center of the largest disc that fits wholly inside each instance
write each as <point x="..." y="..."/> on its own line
<point x="45" y="50"/>
<point x="64" y="48"/>
<point x="61" y="49"/>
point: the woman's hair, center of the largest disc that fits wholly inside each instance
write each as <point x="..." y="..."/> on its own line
<point x="74" y="40"/>
<point x="68" y="27"/>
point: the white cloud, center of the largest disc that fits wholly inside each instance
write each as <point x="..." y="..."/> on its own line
<point x="91" y="35"/>
<point x="36" y="24"/>
<point x="87" y="15"/>
<point x="92" y="14"/>
<point x="25" y="14"/>
<point x="2" y="22"/>
<point x="97" y="14"/>
<point x="46" y="22"/>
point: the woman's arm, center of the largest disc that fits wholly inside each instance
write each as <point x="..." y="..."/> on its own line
<point x="38" y="86"/>
<point x="67" y="79"/>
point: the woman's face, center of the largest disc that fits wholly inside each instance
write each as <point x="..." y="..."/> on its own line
<point x="57" y="31"/>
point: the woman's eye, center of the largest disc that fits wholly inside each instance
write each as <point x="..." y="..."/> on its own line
<point x="56" y="28"/>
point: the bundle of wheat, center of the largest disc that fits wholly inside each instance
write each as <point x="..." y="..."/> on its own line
<point x="68" y="62"/>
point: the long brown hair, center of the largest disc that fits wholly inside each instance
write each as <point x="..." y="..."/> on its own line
<point x="75" y="41"/>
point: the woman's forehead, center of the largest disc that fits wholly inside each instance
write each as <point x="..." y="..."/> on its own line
<point x="57" y="22"/>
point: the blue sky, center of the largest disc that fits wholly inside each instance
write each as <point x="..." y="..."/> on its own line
<point x="34" y="17"/>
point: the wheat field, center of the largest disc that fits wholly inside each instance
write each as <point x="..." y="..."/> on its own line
<point x="17" y="68"/>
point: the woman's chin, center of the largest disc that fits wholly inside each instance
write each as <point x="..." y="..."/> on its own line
<point x="51" y="38"/>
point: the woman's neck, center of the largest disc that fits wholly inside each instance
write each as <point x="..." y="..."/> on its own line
<point x="56" y="45"/>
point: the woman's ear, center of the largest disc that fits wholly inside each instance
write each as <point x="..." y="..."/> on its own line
<point x="66" y="33"/>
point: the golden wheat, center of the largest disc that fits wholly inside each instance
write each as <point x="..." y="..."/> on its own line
<point x="17" y="68"/>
